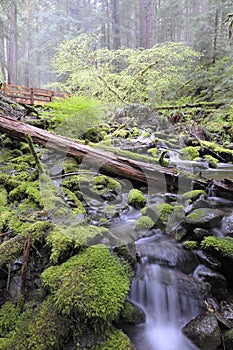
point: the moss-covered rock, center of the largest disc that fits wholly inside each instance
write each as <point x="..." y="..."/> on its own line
<point x="194" y="194"/>
<point x="70" y="165"/>
<point x="203" y="218"/>
<point x="11" y="249"/>
<point x="136" y="198"/>
<point x="116" y="340"/>
<point x="9" y="314"/>
<point x="132" y="314"/>
<point x="212" y="162"/>
<point x="144" y="223"/>
<point x="160" y="213"/>
<point x="111" y="211"/>
<point x="190" y="152"/>
<point x="37" y="329"/>
<point x="93" y="285"/>
<point x="190" y="245"/>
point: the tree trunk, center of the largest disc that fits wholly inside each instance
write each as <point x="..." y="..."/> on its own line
<point x="12" y="44"/>
<point x="154" y="176"/>
<point x="116" y="25"/>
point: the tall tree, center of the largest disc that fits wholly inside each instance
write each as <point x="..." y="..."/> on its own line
<point x="116" y="24"/>
<point x="147" y="23"/>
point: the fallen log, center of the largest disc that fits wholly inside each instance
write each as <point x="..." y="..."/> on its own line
<point x="154" y="176"/>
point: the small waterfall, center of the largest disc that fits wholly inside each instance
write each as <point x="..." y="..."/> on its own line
<point x="155" y="290"/>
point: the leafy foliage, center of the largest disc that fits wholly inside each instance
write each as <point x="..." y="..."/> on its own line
<point x="126" y="75"/>
<point x="80" y="112"/>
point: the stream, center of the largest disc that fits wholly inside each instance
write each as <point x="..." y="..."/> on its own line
<point x="167" y="303"/>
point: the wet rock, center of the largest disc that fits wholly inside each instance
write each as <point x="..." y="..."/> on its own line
<point x="204" y="218"/>
<point x="132" y="314"/>
<point x="215" y="279"/>
<point x="204" y="331"/>
<point x="169" y="254"/>
<point x="227" y="225"/>
<point x="199" y="233"/>
<point x="228" y="339"/>
<point x="208" y="260"/>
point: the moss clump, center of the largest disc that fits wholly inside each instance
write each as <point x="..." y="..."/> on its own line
<point x="111" y="211"/>
<point x="9" y="314"/>
<point x="190" y="245"/>
<point x="228" y="339"/>
<point x="136" y="198"/>
<point x="224" y="246"/>
<point x="102" y="183"/>
<point x="195" y="194"/>
<point x="3" y="197"/>
<point x="11" y="249"/>
<point x="159" y="213"/>
<point x="27" y="190"/>
<point x="38" y="329"/>
<point x="60" y="244"/>
<point x="93" y="285"/>
<point x="70" y="165"/>
<point x="153" y="152"/>
<point x="190" y="152"/>
<point x="212" y="162"/>
<point x="116" y="340"/>
<point x="39" y="230"/>
<point x="144" y="223"/>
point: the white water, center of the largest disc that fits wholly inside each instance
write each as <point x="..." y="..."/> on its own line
<point x="167" y="311"/>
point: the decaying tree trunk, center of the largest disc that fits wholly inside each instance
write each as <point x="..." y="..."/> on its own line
<point x="154" y="176"/>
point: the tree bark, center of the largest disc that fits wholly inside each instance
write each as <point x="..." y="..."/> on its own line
<point x="154" y="176"/>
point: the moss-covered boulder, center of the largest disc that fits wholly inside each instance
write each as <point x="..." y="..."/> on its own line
<point x="194" y="194"/>
<point x="116" y="340"/>
<point x="93" y="285"/>
<point x="222" y="250"/>
<point x="136" y="198"/>
<point x="144" y="223"/>
<point x="203" y="218"/>
<point x="160" y="213"/>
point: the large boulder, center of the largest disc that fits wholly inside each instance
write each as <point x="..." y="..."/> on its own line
<point x="204" y="218"/>
<point x="204" y="331"/>
<point x="227" y="225"/>
<point x="167" y="253"/>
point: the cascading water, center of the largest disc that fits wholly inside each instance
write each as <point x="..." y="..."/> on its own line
<point x="155" y="290"/>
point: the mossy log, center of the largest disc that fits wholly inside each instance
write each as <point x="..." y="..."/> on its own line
<point x="191" y="105"/>
<point x="152" y="175"/>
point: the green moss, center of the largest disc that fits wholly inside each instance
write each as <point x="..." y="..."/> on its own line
<point x="111" y="211"/>
<point x="116" y="341"/>
<point x="11" y="249"/>
<point x="160" y="213"/>
<point x="222" y="245"/>
<point x="212" y="162"/>
<point x="217" y="148"/>
<point x="5" y="216"/>
<point x="64" y="239"/>
<point x="107" y="182"/>
<point x="39" y="230"/>
<point x="28" y="190"/>
<point x="144" y="223"/>
<point x="194" y="194"/>
<point x="60" y="244"/>
<point x="136" y="198"/>
<point x="9" y="314"/>
<point x="153" y="152"/>
<point x="70" y="165"/>
<point x="190" y="245"/>
<point x="39" y="329"/>
<point x="3" y="197"/>
<point x="190" y="152"/>
<point x="92" y="284"/>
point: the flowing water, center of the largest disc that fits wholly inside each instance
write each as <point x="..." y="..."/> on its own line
<point x="157" y="290"/>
